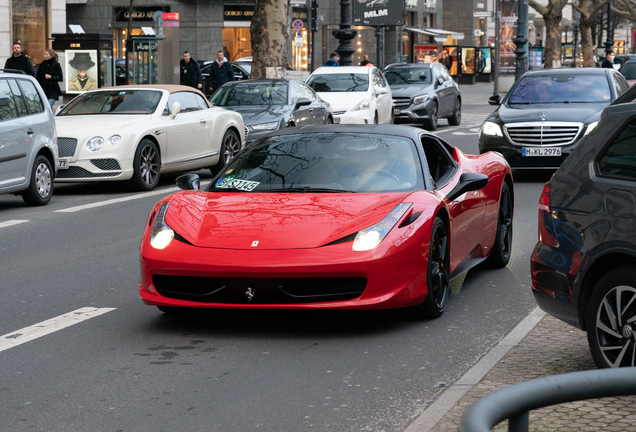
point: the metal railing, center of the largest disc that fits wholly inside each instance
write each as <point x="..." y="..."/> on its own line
<point x="515" y="402"/>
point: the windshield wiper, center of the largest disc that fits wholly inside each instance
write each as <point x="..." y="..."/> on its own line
<point x="308" y="189"/>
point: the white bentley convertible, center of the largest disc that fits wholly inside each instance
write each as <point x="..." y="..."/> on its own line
<point x="137" y="132"/>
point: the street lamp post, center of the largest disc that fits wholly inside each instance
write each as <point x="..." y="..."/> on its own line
<point x="609" y="42"/>
<point x="520" y="40"/>
<point x="345" y="34"/>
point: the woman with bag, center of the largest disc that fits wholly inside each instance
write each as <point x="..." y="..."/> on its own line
<point x="49" y="75"/>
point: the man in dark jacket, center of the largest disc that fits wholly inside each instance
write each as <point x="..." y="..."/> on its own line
<point x="19" y="61"/>
<point x="221" y="71"/>
<point x="334" y="58"/>
<point x="607" y="63"/>
<point x="190" y="72"/>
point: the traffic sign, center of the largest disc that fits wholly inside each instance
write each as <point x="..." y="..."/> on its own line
<point x="482" y="14"/>
<point x="297" y="24"/>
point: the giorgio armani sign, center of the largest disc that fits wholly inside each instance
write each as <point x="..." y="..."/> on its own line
<point x="378" y="12"/>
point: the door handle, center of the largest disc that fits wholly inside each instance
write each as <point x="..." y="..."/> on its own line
<point x="202" y="121"/>
<point x="30" y="131"/>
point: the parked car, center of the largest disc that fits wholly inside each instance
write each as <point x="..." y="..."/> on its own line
<point x="424" y="92"/>
<point x="628" y="70"/>
<point x="348" y="217"/>
<point x="138" y="132"/>
<point x="546" y="114"/>
<point x="241" y="73"/>
<point x="268" y="105"/>
<point x="28" y="147"/>
<point x="357" y="94"/>
<point x="584" y="264"/>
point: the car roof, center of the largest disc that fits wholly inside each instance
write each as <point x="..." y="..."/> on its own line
<point x="410" y="66"/>
<point x="568" y="71"/>
<point x="343" y="69"/>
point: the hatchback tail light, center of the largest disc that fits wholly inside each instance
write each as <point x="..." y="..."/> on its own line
<point x="547" y="235"/>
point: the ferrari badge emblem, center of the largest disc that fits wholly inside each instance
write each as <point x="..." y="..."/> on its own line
<point x="255" y="243"/>
<point x="249" y="294"/>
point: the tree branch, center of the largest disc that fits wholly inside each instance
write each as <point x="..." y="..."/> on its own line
<point x="538" y="7"/>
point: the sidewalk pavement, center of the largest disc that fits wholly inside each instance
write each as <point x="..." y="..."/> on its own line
<point x="550" y="348"/>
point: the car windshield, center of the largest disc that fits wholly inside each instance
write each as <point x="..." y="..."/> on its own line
<point x="629" y="71"/>
<point x="324" y="162"/>
<point x="409" y="76"/>
<point x="114" y="102"/>
<point x="245" y="94"/>
<point x="561" y="88"/>
<point x="247" y="67"/>
<point x="339" y="82"/>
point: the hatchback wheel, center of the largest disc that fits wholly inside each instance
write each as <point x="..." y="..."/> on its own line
<point x="431" y="124"/>
<point x="456" y="118"/>
<point x="41" y="184"/>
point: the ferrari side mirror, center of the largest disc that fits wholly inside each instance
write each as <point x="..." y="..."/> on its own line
<point x="189" y="182"/>
<point x="467" y="182"/>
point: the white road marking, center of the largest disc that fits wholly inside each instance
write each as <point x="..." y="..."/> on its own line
<point x="11" y="223"/>
<point x="52" y="325"/>
<point x="116" y="200"/>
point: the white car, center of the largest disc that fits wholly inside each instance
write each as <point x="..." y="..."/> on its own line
<point x="357" y="94"/>
<point x="138" y="132"/>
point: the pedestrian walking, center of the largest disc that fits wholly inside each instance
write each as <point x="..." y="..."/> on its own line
<point x="607" y="63"/>
<point x="334" y="58"/>
<point x="190" y="72"/>
<point x="221" y="71"/>
<point x="365" y="61"/>
<point x="18" y="61"/>
<point x="49" y="76"/>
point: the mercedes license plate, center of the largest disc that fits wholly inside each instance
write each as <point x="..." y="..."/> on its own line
<point x="541" y="151"/>
<point x="62" y="163"/>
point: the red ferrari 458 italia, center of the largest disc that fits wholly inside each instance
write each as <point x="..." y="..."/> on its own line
<point x="345" y="217"/>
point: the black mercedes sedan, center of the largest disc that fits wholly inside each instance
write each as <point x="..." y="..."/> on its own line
<point x="269" y="105"/>
<point x="584" y="264"/>
<point x="546" y="114"/>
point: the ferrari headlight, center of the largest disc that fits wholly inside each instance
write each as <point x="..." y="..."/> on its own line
<point x="490" y="128"/>
<point x="161" y="234"/>
<point x="371" y="237"/>
<point x="114" y="140"/>
<point x="95" y="143"/>
<point x="420" y="99"/>
<point x="590" y="127"/>
<point x="364" y="104"/>
<point x="265" y="126"/>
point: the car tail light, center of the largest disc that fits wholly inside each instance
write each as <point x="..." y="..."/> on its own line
<point x="546" y="227"/>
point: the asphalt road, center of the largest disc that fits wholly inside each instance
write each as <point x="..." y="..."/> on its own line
<point x="132" y="368"/>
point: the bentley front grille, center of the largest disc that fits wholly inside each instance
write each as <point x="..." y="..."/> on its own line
<point x="401" y="102"/>
<point x="66" y="146"/>
<point x="106" y="164"/>
<point x="543" y="133"/>
<point x="80" y="173"/>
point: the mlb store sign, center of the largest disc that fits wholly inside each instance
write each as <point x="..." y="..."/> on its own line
<point x="378" y="12"/>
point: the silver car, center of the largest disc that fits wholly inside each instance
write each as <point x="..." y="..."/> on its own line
<point x="28" y="143"/>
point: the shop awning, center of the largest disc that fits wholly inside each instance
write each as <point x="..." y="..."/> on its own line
<point x="436" y="32"/>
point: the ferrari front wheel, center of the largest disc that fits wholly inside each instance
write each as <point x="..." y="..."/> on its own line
<point x="437" y="281"/>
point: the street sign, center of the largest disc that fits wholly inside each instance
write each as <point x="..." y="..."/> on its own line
<point x="297" y="24"/>
<point x="298" y="41"/>
<point x="379" y="12"/>
<point x="484" y="14"/>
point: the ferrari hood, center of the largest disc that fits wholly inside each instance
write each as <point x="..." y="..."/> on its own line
<point x="274" y="220"/>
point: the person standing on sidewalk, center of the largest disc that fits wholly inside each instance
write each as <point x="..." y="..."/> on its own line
<point x="221" y="71"/>
<point x="607" y="63"/>
<point x="190" y="72"/>
<point x="18" y="61"/>
<point x="49" y="75"/>
<point x="334" y="58"/>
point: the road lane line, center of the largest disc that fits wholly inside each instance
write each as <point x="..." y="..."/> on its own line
<point x="116" y="200"/>
<point x="11" y="223"/>
<point x="52" y="325"/>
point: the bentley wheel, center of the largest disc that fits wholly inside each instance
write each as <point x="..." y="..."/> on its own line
<point x="437" y="273"/>
<point x="611" y="319"/>
<point x="456" y="118"/>
<point x="500" y="255"/>
<point x="230" y="146"/>
<point x="41" y="184"/>
<point x="431" y="124"/>
<point x="146" y="166"/>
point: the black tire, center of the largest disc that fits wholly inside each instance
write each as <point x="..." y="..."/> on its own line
<point x="456" y="118"/>
<point x="41" y="183"/>
<point x="607" y="326"/>
<point x="146" y="166"/>
<point x="375" y="118"/>
<point x="502" y="249"/>
<point x="437" y="281"/>
<point x="431" y="124"/>
<point x="329" y="120"/>
<point x="230" y="146"/>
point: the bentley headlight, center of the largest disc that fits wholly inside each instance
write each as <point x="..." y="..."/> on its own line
<point x="590" y="127"/>
<point x="371" y="237"/>
<point x="161" y="234"/>
<point x="490" y="128"/>
<point x="114" y="140"/>
<point x="265" y="126"/>
<point x="95" y="143"/>
<point x="420" y="99"/>
<point x="364" y="104"/>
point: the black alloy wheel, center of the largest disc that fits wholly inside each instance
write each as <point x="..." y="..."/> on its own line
<point x="329" y="120"/>
<point x="41" y="185"/>
<point x="456" y="118"/>
<point x="146" y="166"/>
<point x="375" y="118"/>
<point x="501" y="250"/>
<point x="230" y="146"/>
<point x="437" y="280"/>
<point x="611" y="319"/>
<point x="431" y="124"/>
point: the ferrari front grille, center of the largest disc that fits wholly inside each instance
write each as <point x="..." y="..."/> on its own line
<point x="66" y="146"/>
<point x="106" y="164"/>
<point x="259" y="290"/>
<point x="75" y="172"/>
<point x="543" y="133"/>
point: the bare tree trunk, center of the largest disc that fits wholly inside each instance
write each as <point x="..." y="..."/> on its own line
<point x="552" y="15"/>
<point x="589" y="14"/>
<point x="270" y="38"/>
<point x="587" y="44"/>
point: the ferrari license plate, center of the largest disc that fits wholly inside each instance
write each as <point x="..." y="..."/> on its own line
<point x="541" y="151"/>
<point x="336" y="120"/>
<point x="62" y="163"/>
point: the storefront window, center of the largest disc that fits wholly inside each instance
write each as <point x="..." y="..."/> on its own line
<point x="30" y="27"/>
<point x="121" y="36"/>
<point x="238" y="41"/>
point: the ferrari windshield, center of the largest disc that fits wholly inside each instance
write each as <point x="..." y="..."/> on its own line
<point x="339" y="82"/>
<point x="561" y="88"/>
<point x="113" y="102"/>
<point x="324" y="162"/>
<point x="409" y="76"/>
<point x="246" y="94"/>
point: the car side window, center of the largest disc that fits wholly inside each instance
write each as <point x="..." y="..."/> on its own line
<point x="17" y="97"/>
<point x="307" y="92"/>
<point x="621" y="84"/>
<point x="186" y="99"/>
<point x="8" y="109"/>
<point x="445" y="74"/>
<point x="619" y="158"/>
<point x="296" y="93"/>
<point x="377" y="78"/>
<point x="440" y="164"/>
<point x="32" y="96"/>
<point x="200" y="102"/>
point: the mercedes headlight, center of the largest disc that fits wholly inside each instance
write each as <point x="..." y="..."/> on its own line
<point x="590" y="127"/>
<point x="492" y="129"/>
<point x="161" y="234"/>
<point x="114" y="140"/>
<point x="371" y="237"/>
<point x="364" y="104"/>
<point x="265" y="126"/>
<point x="420" y="99"/>
<point x="95" y="143"/>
